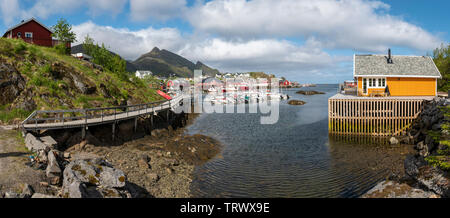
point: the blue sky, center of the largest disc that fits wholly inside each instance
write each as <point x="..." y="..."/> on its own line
<point x="303" y="40"/>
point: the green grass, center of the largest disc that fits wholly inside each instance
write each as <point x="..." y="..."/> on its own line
<point x="7" y="115"/>
<point x="35" y="64"/>
<point x="439" y="161"/>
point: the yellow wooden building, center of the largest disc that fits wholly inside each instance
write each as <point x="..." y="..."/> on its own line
<point x="388" y="75"/>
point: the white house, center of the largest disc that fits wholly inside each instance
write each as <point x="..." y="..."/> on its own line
<point x="82" y="56"/>
<point x="142" y="73"/>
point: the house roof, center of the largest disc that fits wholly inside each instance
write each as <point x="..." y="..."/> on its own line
<point x="27" y="21"/>
<point x="402" y="66"/>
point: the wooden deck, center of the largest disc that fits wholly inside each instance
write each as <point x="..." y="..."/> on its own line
<point x="57" y="119"/>
<point x="373" y="116"/>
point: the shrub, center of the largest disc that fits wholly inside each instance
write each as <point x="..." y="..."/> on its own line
<point x="5" y="47"/>
<point x="61" y="49"/>
<point x="441" y="162"/>
<point x="20" y="47"/>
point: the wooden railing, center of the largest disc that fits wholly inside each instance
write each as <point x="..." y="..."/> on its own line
<point x="54" y="119"/>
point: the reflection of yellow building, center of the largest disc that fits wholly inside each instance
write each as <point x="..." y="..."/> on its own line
<point x="395" y="75"/>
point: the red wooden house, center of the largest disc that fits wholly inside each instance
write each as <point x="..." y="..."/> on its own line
<point x="285" y="83"/>
<point x="32" y="31"/>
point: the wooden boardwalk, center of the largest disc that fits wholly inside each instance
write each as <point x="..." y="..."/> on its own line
<point x="58" y="119"/>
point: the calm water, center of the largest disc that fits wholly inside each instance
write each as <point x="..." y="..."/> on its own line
<point x="293" y="158"/>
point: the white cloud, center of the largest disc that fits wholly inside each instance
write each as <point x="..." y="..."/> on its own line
<point x="351" y="24"/>
<point x="261" y="55"/>
<point x="160" y="9"/>
<point x="10" y="10"/>
<point x="45" y="8"/>
<point x="130" y="44"/>
<point x="269" y="55"/>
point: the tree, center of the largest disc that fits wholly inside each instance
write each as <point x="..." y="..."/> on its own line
<point x="441" y="57"/>
<point x="101" y="56"/>
<point x="63" y="32"/>
<point x="88" y="45"/>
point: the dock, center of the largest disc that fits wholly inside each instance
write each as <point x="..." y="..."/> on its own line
<point x="373" y="116"/>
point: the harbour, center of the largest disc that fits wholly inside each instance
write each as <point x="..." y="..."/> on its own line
<point x="295" y="157"/>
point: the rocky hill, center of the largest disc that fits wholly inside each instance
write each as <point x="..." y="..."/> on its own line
<point x="34" y="77"/>
<point x="166" y="63"/>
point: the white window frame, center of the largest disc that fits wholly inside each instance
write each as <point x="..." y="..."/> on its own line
<point x="30" y="33"/>
<point x="373" y="82"/>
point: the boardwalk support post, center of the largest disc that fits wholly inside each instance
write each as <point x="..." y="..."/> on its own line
<point x="113" y="130"/>
<point x="151" y="123"/>
<point x="168" y="113"/>
<point x="83" y="133"/>
<point x="135" y="124"/>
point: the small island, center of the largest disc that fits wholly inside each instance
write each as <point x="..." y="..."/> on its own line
<point x="296" y="102"/>
<point x="310" y="92"/>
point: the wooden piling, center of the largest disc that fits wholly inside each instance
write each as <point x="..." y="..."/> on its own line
<point x="372" y="116"/>
<point x="83" y="133"/>
<point x="113" y="130"/>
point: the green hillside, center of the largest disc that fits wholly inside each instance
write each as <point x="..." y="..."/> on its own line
<point x="205" y="69"/>
<point x="166" y="63"/>
<point x="34" y="77"/>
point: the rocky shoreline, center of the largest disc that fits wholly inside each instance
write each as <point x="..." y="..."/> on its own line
<point x="424" y="177"/>
<point x="156" y="165"/>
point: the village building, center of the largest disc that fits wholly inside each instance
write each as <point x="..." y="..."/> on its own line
<point x="82" y="56"/>
<point x="142" y="73"/>
<point x="389" y="75"/>
<point x="34" y="32"/>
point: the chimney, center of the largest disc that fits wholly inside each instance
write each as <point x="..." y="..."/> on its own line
<point x="389" y="59"/>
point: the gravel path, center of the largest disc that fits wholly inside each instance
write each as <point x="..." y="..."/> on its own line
<point x="13" y="169"/>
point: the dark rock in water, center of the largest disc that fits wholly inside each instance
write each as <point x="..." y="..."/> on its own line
<point x="296" y="102"/>
<point x="312" y="92"/>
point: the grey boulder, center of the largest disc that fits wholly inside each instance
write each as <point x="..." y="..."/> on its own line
<point x="34" y="144"/>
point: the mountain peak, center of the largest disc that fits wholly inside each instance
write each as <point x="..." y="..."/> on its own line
<point x="155" y="49"/>
<point x="164" y="62"/>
